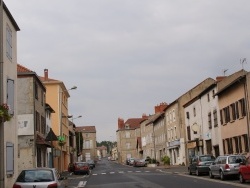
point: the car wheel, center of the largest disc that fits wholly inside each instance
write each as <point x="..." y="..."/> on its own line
<point x="189" y="171"/>
<point x="241" y="179"/>
<point x="211" y="174"/>
<point x="222" y="176"/>
<point x="197" y="172"/>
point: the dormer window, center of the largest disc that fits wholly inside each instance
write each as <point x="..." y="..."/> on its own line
<point x="126" y="126"/>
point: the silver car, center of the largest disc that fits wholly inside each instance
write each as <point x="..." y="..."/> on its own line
<point x="40" y="177"/>
<point x="227" y="165"/>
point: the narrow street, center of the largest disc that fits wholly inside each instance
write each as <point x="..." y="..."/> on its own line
<point x="109" y="174"/>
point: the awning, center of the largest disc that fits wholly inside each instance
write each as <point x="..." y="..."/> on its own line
<point x="51" y="136"/>
<point x="41" y="141"/>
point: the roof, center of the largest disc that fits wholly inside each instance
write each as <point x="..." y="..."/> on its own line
<point x="134" y="123"/>
<point x="154" y="118"/>
<point x="23" y="69"/>
<point x="86" y="129"/>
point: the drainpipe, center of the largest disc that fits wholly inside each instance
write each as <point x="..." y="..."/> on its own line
<point x="2" y="169"/>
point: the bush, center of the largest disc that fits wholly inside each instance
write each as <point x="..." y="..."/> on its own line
<point x="166" y="160"/>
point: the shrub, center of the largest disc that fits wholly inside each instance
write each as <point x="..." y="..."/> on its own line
<point x="166" y="160"/>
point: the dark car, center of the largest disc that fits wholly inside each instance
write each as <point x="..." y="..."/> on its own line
<point x="200" y="164"/>
<point x="91" y="163"/>
<point x="81" y="168"/>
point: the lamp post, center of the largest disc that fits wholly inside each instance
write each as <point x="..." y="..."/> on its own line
<point x="60" y="120"/>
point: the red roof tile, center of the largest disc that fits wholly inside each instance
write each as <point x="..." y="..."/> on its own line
<point x="86" y="129"/>
<point x="21" y="68"/>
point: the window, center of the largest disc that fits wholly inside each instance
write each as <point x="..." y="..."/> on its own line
<point x="209" y="120"/>
<point x="9" y="158"/>
<point x="126" y="126"/>
<point x="215" y="118"/>
<point x="188" y="133"/>
<point x="237" y="110"/>
<point x="9" y="43"/>
<point x="221" y="117"/>
<point x="10" y="95"/>
<point x="173" y="115"/>
<point x="37" y="123"/>
<point x="194" y="111"/>
<point x="242" y="107"/>
<point x="213" y="93"/>
<point x="208" y="98"/>
<point x="36" y="91"/>
<point x="187" y="115"/>
<point x="233" y="112"/>
<point x="127" y="134"/>
<point x="128" y="145"/>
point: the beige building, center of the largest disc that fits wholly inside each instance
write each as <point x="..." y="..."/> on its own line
<point x="32" y="150"/>
<point x="8" y="96"/>
<point x="57" y="96"/>
<point x="127" y="135"/>
<point x="233" y="99"/>
<point x="89" y="150"/>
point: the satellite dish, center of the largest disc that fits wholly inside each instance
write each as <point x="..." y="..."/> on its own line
<point x="195" y="127"/>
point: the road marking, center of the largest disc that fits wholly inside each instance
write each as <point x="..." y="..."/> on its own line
<point x="112" y="172"/>
<point x="81" y="184"/>
<point x="94" y="174"/>
<point x="130" y="171"/>
<point x="137" y="171"/>
<point x="121" y="172"/>
<point x="103" y="173"/>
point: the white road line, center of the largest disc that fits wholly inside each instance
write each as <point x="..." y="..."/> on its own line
<point x="147" y="171"/>
<point x="112" y="172"/>
<point x="137" y="171"/>
<point x="121" y="172"/>
<point x="81" y="184"/>
<point x="103" y="173"/>
<point x="94" y="174"/>
<point x="130" y="171"/>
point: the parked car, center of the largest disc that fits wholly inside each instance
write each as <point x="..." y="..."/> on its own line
<point x="140" y="163"/>
<point x="225" y="166"/>
<point x="131" y="161"/>
<point x="199" y="164"/>
<point x="71" y="167"/>
<point x="244" y="172"/>
<point x="127" y="161"/>
<point x="91" y="163"/>
<point x="40" y="177"/>
<point x="81" y="168"/>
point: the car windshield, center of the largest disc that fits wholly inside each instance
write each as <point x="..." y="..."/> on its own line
<point x="207" y="158"/>
<point x="36" y="176"/>
<point x="81" y="164"/>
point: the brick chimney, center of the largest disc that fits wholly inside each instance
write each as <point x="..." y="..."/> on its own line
<point x="144" y="116"/>
<point x="219" y="78"/>
<point x="160" y="107"/>
<point x="121" y="124"/>
<point x="46" y="74"/>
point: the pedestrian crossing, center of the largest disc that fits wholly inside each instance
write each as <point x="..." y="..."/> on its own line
<point x="121" y="172"/>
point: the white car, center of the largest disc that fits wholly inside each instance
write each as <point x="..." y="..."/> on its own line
<point x="40" y="177"/>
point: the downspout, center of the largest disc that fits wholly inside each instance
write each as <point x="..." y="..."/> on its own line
<point x="2" y="169"/>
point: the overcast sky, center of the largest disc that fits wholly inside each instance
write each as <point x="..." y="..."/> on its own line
<point x="126" y="56"/>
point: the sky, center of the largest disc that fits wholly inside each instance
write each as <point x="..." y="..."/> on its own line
<point x="127" y="56"/>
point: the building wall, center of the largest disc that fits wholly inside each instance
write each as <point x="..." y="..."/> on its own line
<point x="91" y="148"/>
<point x="10" y="72"/>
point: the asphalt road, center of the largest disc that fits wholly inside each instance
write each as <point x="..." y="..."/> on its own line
<point x="109" y="174"/>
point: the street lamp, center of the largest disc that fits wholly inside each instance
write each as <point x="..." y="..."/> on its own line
<point x="60" y="120"/>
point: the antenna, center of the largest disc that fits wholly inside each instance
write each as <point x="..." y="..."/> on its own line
<point x="224" y="71"/>
<point x="244" y="60"/>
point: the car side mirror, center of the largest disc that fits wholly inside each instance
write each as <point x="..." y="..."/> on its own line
<point x="242" y="163"/>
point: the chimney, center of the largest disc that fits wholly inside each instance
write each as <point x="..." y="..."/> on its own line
<point x="161" y="107"/>
<point x="219" y="78"/>
<point x="144" y="116"/>
<point x="46" y="74"/>
<point x="120" y="123"/>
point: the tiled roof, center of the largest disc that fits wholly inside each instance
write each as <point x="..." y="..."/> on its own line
<point x="153" y="118"/>
<point x="49" y="79"/>
<point x="134" y="122"/>
<point x="86" y="129"/>
<point x="22" y="69"/>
